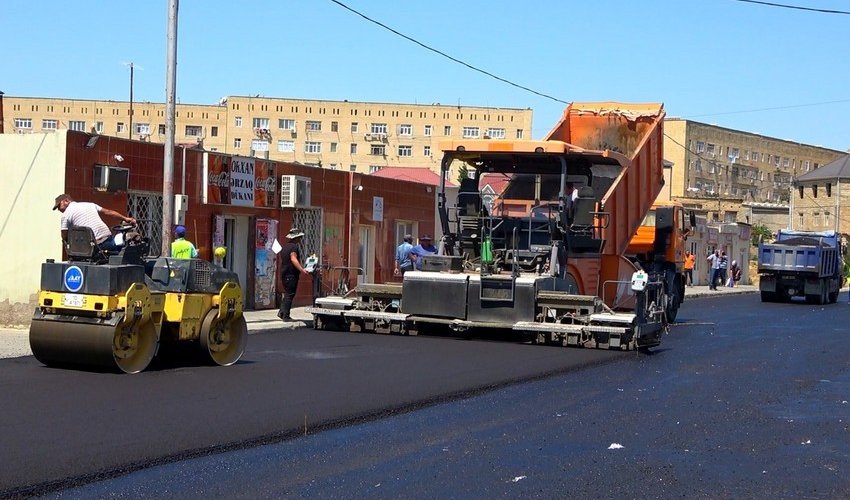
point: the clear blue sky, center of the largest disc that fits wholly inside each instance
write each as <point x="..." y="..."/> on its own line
<point x="708" y="60"/>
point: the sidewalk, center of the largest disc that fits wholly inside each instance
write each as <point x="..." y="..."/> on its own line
<point x="14" y="342"/>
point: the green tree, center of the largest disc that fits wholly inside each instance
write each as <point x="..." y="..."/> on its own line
<point x="760" y="232"/>
<point x="462" y="173"/>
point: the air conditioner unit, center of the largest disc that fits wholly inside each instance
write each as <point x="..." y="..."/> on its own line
<point x="111" y="179"/>
<point x="295" y="191"/>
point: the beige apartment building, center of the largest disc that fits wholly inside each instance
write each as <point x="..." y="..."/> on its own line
<point x="356" y="136"/>
<point x="716" y="169"/>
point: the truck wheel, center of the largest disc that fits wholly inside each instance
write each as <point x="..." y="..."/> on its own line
<point x="833" y="297"/>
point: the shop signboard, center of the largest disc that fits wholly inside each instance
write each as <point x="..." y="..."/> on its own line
<point x="240" y="181"/>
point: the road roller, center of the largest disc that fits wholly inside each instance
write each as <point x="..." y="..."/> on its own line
<point x="115" y="311"/>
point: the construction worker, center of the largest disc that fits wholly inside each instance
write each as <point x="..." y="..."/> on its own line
<point x="181" y="248"/>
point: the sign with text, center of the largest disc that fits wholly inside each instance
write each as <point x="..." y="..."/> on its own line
<point x="247" y="182"/>
<point x="377" y="208"/>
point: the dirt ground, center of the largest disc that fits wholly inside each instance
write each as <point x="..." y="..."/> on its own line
<point x="17" y="315"/>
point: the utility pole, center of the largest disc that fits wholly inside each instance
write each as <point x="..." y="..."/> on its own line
<point x="131" y="101"/>
<point x="168" y="157"/>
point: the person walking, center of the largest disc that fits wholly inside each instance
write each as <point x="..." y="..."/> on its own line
<point x="181" y="248"/>
<point x="734" y="274"/>
<point x="87" y="214"/>
<point x="290" y="270"/>
<point x="723" y="275"/>
<point x="404" y="256"/>
<point x="714" y="270"/>
<point x="690" y="262"/>
<point x="425" y="247"/>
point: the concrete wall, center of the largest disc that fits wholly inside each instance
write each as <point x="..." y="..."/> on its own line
<point x="33" y="169"/>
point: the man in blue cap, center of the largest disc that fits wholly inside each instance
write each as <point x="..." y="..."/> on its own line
<point x="425" y="247"/>
<point x="181" y="248"/>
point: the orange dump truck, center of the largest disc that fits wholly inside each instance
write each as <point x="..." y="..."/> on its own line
<point x="548" y="259"/>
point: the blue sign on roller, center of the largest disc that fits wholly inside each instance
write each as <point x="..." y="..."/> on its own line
<point x="73" y="279"/>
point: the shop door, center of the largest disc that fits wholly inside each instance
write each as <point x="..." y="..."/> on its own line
<point x="236" y="241"/>
<point x="366" y="254"/>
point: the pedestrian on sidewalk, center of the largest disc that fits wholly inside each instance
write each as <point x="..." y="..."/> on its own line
<point x="404" y="256"/>
<point x="723" y="274"/>
<point x="714" y="270"/>
<point x="734" y="275"/>
<point x="690" y="262"/>
<point x="290" y="270"/>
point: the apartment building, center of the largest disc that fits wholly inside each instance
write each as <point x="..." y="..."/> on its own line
<point x="353" y="136"/>
<point x="716" y="169"/>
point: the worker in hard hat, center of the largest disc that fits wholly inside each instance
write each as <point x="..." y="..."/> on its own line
<point x="218" y="256"/>
<point x="181" y="248"/>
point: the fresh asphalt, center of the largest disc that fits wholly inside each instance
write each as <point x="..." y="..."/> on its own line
<point x="303" y="382"/>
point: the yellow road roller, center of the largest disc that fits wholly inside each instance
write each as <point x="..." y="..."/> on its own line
<point x="115" y="311"/>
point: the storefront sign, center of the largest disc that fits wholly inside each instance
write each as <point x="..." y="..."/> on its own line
<point x="247" y="182"/>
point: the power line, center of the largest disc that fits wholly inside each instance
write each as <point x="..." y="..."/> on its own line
<point x="796" y="7"/>
<point x="756" y="110"/>
<point x="454" y="59"/>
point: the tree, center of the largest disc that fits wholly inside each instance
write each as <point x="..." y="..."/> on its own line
<point x="760" y="232"/>
<point x="462" y="173"/>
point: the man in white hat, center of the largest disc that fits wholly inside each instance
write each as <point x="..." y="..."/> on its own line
<point x="290" y="270"/>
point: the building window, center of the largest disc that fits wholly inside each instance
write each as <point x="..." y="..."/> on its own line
<point x="25" y="123"/>
<point x="334" y="126"/>
<point x="286" y="124"/>
<point x="800" y="215"/>
<point x="352" y="168"/>
<point x="238" y="121"/>
<point x="374" y="168"/>
<point x="333" y="147"/>
<point x="733" y="154"/>
<point x="405" y="130"/>
<point x="700" y="146"/>
<point x="427" y="151"/>
<point x="405" y="150"/>
<point x="786" y="162"/>
<point x="237" y="143"/>
<point x="826" y="219"/>
<point x="286" y="146"/>
<point x="143" y="128"/>
<point x="214" y="131"/>
<point x="353" y="149"/>
<point x="709" y="148"/>
<point x="379" y="128"/>
<point x="193" y="131"/>
<point x="519" y="133"/>
<point x="427" y="131"/>
<point x="314" y="125"/>
<point x="259" y="145"/>
<point x="161" y="129"/>
<point x="79" y="126"/>
<point x="98" y="127"/>
<point x="471" y="132"/>
<point x="402" y="228"/>
<point x="47" y="124"/>
<point x="378" y="150"/>
<point x="447" y="130"/>
<point x="354" y="127"/>
<point x="312" y="147"/>
<point x="261" y="123"/>
<point x="119" y="127"/>
<point x="496" y="133"/>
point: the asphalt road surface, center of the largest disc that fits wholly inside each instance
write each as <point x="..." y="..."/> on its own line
<point x="743" y="399"/>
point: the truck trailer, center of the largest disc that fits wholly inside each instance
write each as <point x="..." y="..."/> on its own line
<point x="547" y="260"/>
<point x="806" y="264"/>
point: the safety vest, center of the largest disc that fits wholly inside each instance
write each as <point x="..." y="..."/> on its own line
<point x="182" y="249"/>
